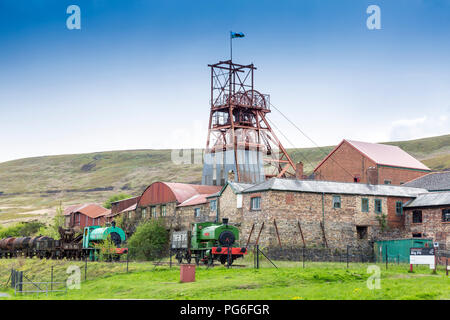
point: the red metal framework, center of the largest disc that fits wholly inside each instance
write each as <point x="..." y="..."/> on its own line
<point x="238" y="121"/>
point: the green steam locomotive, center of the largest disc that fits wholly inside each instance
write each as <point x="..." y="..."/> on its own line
<point x="207" y="242"/>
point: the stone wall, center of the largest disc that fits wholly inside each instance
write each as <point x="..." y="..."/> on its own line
<point x="288" y="209"/>
<point x="432" y="225"/>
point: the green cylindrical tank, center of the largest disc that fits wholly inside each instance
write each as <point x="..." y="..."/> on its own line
<point x="398" y="250"/>
<point x="97" y="234"/>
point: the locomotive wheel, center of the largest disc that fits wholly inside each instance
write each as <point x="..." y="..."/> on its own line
<point x="223" y="259"/>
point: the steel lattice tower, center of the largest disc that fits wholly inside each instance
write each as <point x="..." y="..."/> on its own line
<point x="239" y="135"/>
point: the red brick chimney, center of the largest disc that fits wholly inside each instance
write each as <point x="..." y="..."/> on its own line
<point x="299" y="170"/>
<point x="372" y="175"/>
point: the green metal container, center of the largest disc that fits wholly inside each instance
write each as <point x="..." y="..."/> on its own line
<point x="397" y="250"/>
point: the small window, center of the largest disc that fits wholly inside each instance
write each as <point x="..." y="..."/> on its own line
<point x="417" y="235"/>
<point x="446" y="215"/>
<point x="163" y="211"/>
<point x="387" y="182"/>
<point x="213" y="205"/>
<point x="365" y="205"/>
<point x="399" y="208"/>
<point x="255" y="203"/>
<point x="144" y="212"/>
<point x="129" y="214"/>
<point x="362" y="232"/>
<point x="356" y="178"/>
<point x="417" y="216"/>
<point x="153" y="211"/>
<point x="197" y="212"/>
<point x="336" y="202"/>
<point x="378" y="206"/>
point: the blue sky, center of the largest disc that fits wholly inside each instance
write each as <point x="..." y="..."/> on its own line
<point x="136" y="77"/>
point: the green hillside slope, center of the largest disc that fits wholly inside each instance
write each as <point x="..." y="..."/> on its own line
<point x="33" y="187"/>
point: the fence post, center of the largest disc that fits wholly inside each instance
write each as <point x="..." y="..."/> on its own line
<point x="170" y="258"/>
<point x="51" y="281"/>
<point x="127" y="262"/>
<point x="347" y="256"/>
<point x="85" y="269"/>
<point x="257" y="256"/>
<point x="398" y="258"/>
<point x="446" y="266"/>
<point x="303" y="259"/>
<point x="387" y="257"/>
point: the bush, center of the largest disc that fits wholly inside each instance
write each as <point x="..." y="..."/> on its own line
<point x="115" y="198"/>
<point x="150" y="241"/>
<point x="22" y="229"/>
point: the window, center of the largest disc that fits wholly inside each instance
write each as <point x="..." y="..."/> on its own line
<point x="213" y="205"/>
<point x="362" y="232"/>
<point x="365" y="205"/>
<point x="378" y="207"/>
<point x="417" y="235"/>
<point x="163" y="210"/>
<point x="197" y="212"/>
<point x="78" y="218"/>
<point x="356" y="178"/>
<point x="399" y="208"/>
<point x="387" y="181"/>
<point x="336" y="202"/>
<point x="144" y="212"/>
<point x="153" y="211"/>
<point x="255" y="203"/>
<point x="445" y="215"/>
<point x="417" y="216"/>
<point x="129" y="214"/>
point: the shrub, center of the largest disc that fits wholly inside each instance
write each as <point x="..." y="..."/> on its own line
<point x="150" y="241"/>
<point x="22" y="229"/>
<point x="115" y="198"/>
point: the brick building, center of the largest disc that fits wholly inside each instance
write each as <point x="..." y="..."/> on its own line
<point x="85" y="215"/>
<point x="428" y="216"/>
<point x="354" y="161"/>
<point x="124" y="207"/>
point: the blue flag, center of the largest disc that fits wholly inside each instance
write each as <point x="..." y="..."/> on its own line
<point x="237" y="35"/>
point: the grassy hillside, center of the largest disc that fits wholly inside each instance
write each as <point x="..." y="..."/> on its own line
<point x="33" y="187"/>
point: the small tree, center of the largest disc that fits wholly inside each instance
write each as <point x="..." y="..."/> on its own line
<point x="114" y="198"/>
<point x="383" y="222"/>
<point x="150" y="241"/>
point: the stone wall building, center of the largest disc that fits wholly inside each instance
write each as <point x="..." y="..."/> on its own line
<point x="354" y="161"/>
<point x="177" y="204"/>
<point x="428" y="216"/>
<point x="331" y="214"/>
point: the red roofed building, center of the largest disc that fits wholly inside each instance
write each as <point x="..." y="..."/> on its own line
<point x="355" y="161"/>
<point x="85" y="215"/>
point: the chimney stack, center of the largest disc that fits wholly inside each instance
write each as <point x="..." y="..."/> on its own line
<point x="299" y="170"/>
<point x="231" y="176"/>
<point x="372" y="175"/>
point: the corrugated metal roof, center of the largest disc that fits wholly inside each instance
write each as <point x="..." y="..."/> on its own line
<point x="195" y="200"/>
<point x="91" y="210"/>
<point x="430" y="199"/>
<point x="434" y="181"/>
<point x="317" y="186"/>
<point x="382" y="154"/>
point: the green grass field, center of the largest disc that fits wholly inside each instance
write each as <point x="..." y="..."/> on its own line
<point x="289" y="281"/>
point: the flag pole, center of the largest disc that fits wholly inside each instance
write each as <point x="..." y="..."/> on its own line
<point x="231" y="47"/>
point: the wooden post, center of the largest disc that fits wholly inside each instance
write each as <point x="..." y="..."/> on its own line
<point x="276" y="230"/>
<point x="257" y="239"/>
<point x="250" y="235"/>
<point x="301" y="233"/>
